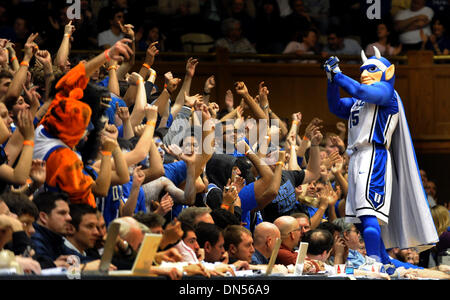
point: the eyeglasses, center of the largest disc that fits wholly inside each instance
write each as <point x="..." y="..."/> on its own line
<point x="354" y="230"/>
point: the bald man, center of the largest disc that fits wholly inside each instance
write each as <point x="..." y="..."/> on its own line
<point x="290" y="238"/>
<point x="264" y="238"/>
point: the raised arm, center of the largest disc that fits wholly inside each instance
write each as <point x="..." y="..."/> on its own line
<point x="378" y="93"/>
<point x="16" y="86"/>
<point x="256" y="110"/>
<point x="64" y="49"/>
<point x="103" y="181"/>
<point x="210" y="83"/>
<point x="21" y="171"/>
<point x="129" y="207"/>
<point x="12" y="56"/>
<point x="119" y="51"/>
<point x="191" y="64"/>
<point x="312" y="171"/>
<point x="126" y="65"/>
<point x="137" y="115"/>
<point x="156" y="168"/>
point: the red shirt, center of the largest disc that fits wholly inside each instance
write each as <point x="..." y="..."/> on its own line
<point x="286" y="257"/>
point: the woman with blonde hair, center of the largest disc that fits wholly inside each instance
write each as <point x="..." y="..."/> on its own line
<point x="441" y="218"/>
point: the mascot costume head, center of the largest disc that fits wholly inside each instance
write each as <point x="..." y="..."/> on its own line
<point x="376" y="69"/>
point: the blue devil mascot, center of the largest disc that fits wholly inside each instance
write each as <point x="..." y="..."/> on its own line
<point x="386" y="199"/>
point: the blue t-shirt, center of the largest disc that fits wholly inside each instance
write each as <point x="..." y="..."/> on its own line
<point x="109" y="205"/>
<point x="140" y="204"/>
<point x="176" y="172"/>
<point x="248" y="203"/>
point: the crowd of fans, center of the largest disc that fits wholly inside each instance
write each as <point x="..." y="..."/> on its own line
<point x="86" y="144"/>
<point x="323" y="27"/>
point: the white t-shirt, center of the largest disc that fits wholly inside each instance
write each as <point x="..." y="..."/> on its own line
<point x="107" y="37"/>
<point x="413" y="36"/>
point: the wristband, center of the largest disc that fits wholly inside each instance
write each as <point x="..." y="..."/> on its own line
<point x="25" y="63"/>
<point x="151" y="123"/>
<point x="139" y="81"/>
<point x="13" y="58"/>
<point x="279" y="163"/>
<point x="249" y="151"/>
<point x="112" y="68"/>
<point x="107" y="55"/>
<point x="146" y="66"/>
<point x="28" y="143"/>
<point x="165" y="86"/>
<point x="305" y="138"/>
<point x="224" y="206"/>
<point x="295" y="122"/>
<point x="106" y="153"/>
<point x="67" y="34"/>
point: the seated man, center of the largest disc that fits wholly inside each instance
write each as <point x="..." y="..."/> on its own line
<point x="25" y="210"/>
<point x="82" y="233"/>
<point x="238" y="243"/>
<point x="50" y="228"/>
<point x="290" y="238"/>
<point x="194" y="215"/>
<point x="210" y="238"/>
<point x="265" y="236"/>
<point x="188" y="246"/>
<point x="320" y="242"/>
<point x="152" y="220"/>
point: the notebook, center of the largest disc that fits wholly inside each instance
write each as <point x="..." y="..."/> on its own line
<point x="144" y="258"/>
<point x="302" y="249"/>
<point x="273" y="257"/>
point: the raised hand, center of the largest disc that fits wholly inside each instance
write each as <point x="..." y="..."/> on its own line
<point x="44" y="57"/>
<point x="25" y="124"/>
<point x="108" y="143"/>
<point x="190" y="100"/>
<point x="38" y="171"/>
<point x="135" y="78"/>
<point x="213" y="108"/>
<point x="120" y="51"/>
<point x="315" y="124"/>
<point x="190" y="66"/>
<point x="30" y="47"/>
<point x="110" y="130"/>
<point x="173" y="232"/>
<point x="171" y="83"/>
<point x="151" y="52"/>
<point x="241" y="88"/>
<point x="331" y="67"/>
<point x="69" y="29"/>
<point x="138" y="176"/>
<point x="229" y="102"/>
<point x="210" y="83"/>
<point x="127" y="29"/>
<point x="263" y="90"/>
<point x="151" y="112"/>
<point x="316" y="137"/>
<point x="229" y="194"/>
<point x="122" y="112"/>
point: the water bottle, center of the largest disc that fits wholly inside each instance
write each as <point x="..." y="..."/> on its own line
<point x="349" y="269"/>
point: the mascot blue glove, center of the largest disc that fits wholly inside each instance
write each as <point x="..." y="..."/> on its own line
<point x="331" y="67"/>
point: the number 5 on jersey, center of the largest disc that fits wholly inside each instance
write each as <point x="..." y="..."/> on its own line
<point x="354" y="118"/>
